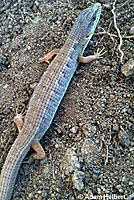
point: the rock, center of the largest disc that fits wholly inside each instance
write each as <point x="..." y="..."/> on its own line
<point x="130" y="197"/>
<point x="70" y="162"/>
<point x="98" y="190"/>
<point x="130" y="183"/>
<point x="115" y="127"/>
<point x="89" y="129"/>
<point x="107" y="7"/>
<point x="77" y="180"/>
<point x="74" y="129"/>
<point x="124" y="138"/>
<point x="119" y="188"/>
<point x="33" y="85"/>
<point x="131" y="30"/>
<point x="128" y="68"/>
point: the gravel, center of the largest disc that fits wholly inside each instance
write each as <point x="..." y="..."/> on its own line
<point x="95" y="119"/>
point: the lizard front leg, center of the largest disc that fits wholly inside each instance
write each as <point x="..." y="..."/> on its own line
<point x="82" y="59"/>
<point x="50" y="55"/>
<point x="18" y="120"/>
<point x="88" y="59"/>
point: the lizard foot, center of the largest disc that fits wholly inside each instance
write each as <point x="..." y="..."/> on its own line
<point x="18" y="119"/>
<point x="39" y="153"/>
<point x="88" y="59"/>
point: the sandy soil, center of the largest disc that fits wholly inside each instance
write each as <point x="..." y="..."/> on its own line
<point x="90" y="144"/>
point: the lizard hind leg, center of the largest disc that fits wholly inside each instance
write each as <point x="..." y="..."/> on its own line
<point x="39" y="153"/>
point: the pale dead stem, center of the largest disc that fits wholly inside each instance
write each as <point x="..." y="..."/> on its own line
<point x="112" y="36"/>
<point x="106" y="143"/>
<point x="118" y="31"/>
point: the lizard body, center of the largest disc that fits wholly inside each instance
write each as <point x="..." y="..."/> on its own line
<point x="48" y="95"/>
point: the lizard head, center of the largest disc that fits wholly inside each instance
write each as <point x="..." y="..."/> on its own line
<point x="85" y="24"/>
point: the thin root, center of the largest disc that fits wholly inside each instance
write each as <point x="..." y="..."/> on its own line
<point x="118" y="31"/>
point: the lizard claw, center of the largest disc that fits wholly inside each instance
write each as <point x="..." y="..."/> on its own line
<point x="28" y="160"/>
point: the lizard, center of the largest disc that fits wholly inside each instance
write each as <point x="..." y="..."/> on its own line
<point x="47" y="96"/>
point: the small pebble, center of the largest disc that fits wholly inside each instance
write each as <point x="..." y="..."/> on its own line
<point x="107" y="7"/>
<point x="131" y="30"/>
<point x="128" y="68"/>
<point x="130" y="183"/>
<point x="119" y="188"/>
<point x="37" y="3"/>
<point x="98" y="191"/>
<point x="74" y="129"/>
<point x="115" y="127"/>
<point x="124" y="138"/>
<point x="124" y="110"/>
<point x="130" y="197"/>
<point x="77" y="179"/>
<point x="30" y="195"/>
<point x="96" y="172"/>
<point x="70" y="162"/>
<point x="28" y="47"/>
<point x="33" y="85"/>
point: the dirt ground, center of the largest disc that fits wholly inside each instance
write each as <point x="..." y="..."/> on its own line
<point x="90" y="144"/>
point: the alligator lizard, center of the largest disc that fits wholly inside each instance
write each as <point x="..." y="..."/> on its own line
<point x="47" y="97"/>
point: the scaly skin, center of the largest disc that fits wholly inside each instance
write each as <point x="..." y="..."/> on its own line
<point x="48" y="95"/>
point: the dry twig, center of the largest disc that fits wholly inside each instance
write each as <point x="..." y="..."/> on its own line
<point x="113" y="35"/>
<point x="118" y="31"/>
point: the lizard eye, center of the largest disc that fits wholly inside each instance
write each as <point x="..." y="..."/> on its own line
<point x="94" y="18"/>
